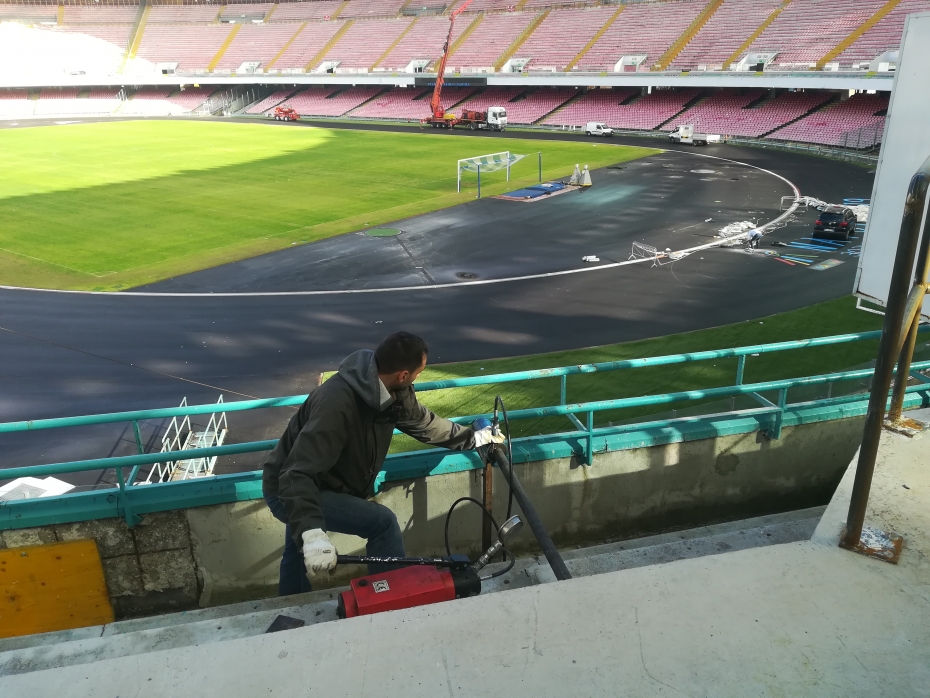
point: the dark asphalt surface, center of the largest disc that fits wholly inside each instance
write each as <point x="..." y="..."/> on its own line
<point x="64" y="354"/>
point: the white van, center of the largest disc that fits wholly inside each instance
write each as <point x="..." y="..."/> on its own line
<point x="598" y="128"/>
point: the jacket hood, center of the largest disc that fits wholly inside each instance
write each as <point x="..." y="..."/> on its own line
<point x="360" y="371"/>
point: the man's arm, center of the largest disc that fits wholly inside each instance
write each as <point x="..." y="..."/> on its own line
<point x="424" y="425"/>
<point x="315" y="451"/>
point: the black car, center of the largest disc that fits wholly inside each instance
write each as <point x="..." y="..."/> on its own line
<point x="835" y="222"/>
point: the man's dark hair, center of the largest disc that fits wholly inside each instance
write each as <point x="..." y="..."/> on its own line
<point x="401" y="351"/>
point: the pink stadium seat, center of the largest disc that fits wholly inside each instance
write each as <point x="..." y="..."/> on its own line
<point x="311" y="39"/>
<point x="727" y="29"/>
<point x="193" y="46"/>
<point x="805" y="31"/>
<point x="365" y="42"/>
<point x="116" y="34"/>
<point x="270" y="101"/>
<point x="372" y="8"/>
<point x="423" y="41"/>
<point x="647" y="28"/>
<point x="490" y="39"/>
<point x="290" y="11"/>
<point x="192" y="97"/>
<point x="410" y="104"/>
<point x="175" y="14"/>
<point x="317" y="101"/>
<point x="537" y="104"/>
<point x="851" y="121"/>
<point x="884" y="36"/>
<point x="256" y="42"/>
<point x="100" y="14"/>
<point x="493" y="97"/>
<point x="596" y="105"/>
<point x="562" y="35"/>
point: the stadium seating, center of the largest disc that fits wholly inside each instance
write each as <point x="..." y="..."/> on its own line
<point x="716" y="111"/>
<point x="647" y="28"/>
<point x="150" y="102"/>
<point x="192" y="46"/>
<point x="307" y="44"/>
<point x="490" y="39"/>
<point x="805" y="31"/>
<point x="562" y="35"/>
<point x="304" y="11"/>
<point x="100" y="14"/>
<point x="180" y="14"/>
<point x="852" y="122"/>
<point x="317" y="101"/>
<point x="411" y="104"/>
<point x="423" y="41"/>
<point x="372" y="8"/>
<point x="536" y="105"/>
<point x="725" y="32"/>
<point x="15" y="104"/>
<point x="270" y="101"/>
<point x="493" y="97"/>
<point x="365" y="42"/>
<point x="884" y="36"/>
<point x="255" y="42"/>
<point x="192" y="97"/>
<point x="596" y="105"/>
<point x="116" y="34"/>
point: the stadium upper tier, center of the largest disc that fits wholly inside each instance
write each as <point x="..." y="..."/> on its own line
<point x="491" y="35"/>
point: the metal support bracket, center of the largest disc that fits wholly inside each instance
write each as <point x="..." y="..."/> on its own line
<point x="775" y="432"/>
<point x="131" y="518"/>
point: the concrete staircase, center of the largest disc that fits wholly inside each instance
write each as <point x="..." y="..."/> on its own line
<point x="218" y="624"/>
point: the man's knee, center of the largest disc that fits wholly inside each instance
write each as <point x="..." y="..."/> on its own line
<point x="383" y="519"/>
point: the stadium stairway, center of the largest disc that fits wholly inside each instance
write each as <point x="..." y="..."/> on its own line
<point x="221" y="623"/>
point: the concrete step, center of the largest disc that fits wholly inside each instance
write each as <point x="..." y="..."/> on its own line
<point x="234" y="621"/>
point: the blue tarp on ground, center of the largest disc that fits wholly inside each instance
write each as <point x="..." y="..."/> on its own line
<point x="535" y="191"/>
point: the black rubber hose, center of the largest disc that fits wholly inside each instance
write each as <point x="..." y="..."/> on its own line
<point x="532" y="518"/>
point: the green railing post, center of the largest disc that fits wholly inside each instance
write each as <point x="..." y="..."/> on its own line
<point x="563" y="390"/>
<point x="131" y="519"/>
<point x="589" y="440"/>
<point x="775" y="431"/>
<point x="140" y="448"/>
<point x="740" y="371"/>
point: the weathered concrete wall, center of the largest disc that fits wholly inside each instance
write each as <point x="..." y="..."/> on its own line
<point x="219" y="554"/>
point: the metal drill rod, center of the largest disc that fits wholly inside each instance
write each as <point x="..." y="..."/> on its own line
<point x="532" y="517"/>
<point x="401" y="561"/>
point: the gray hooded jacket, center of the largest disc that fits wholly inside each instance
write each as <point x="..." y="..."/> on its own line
<point x="340" y="436"/>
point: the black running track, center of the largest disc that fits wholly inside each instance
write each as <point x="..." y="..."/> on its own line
<point x="65" y="354"/>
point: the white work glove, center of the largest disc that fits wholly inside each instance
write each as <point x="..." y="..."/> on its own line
<point x="483" y="437"/>
<point x="319" y="553"/>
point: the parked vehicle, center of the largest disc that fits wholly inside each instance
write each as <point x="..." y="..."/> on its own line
<point x="284" y="113"/>
<point x="835" y="221"/>
<point x="598" y="128"/>
<point x="686" y="134"/>
<point x="494" y="119"/>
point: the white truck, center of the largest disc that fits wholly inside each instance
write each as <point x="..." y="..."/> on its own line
<point x="494" y="119"/>
<point x="686" y="134"/>
<point x="598" y="128"/>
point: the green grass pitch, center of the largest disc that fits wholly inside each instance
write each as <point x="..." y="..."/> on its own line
<point x="109" y="206"/>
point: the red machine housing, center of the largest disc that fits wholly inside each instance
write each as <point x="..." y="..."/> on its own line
<point x="285" y="113"/>
<point x="405" y="588"/>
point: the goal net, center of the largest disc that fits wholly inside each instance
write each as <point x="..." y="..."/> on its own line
<point x="483" y="164"/>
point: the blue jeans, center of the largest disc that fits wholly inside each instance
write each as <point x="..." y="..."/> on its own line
<point x="342" y="513"/>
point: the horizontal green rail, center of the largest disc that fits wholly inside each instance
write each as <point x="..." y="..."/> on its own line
<point x="555" y="410"/>
<point x="292" y="400"/>
<point x="583" y="440"/>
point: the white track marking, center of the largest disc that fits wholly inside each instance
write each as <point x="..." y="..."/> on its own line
<point x="433" y="287"/>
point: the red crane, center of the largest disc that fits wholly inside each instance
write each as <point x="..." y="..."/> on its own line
<point x="438" y="114"/>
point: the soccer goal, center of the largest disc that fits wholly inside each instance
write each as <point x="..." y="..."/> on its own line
<point x="495" y="162"/>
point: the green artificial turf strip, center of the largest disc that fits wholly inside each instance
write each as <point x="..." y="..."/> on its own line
<point x="833" y="317"/>
<point x="106" y="206"/>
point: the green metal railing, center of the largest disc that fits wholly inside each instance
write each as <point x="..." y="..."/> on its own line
<point x="583" y="433"/>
